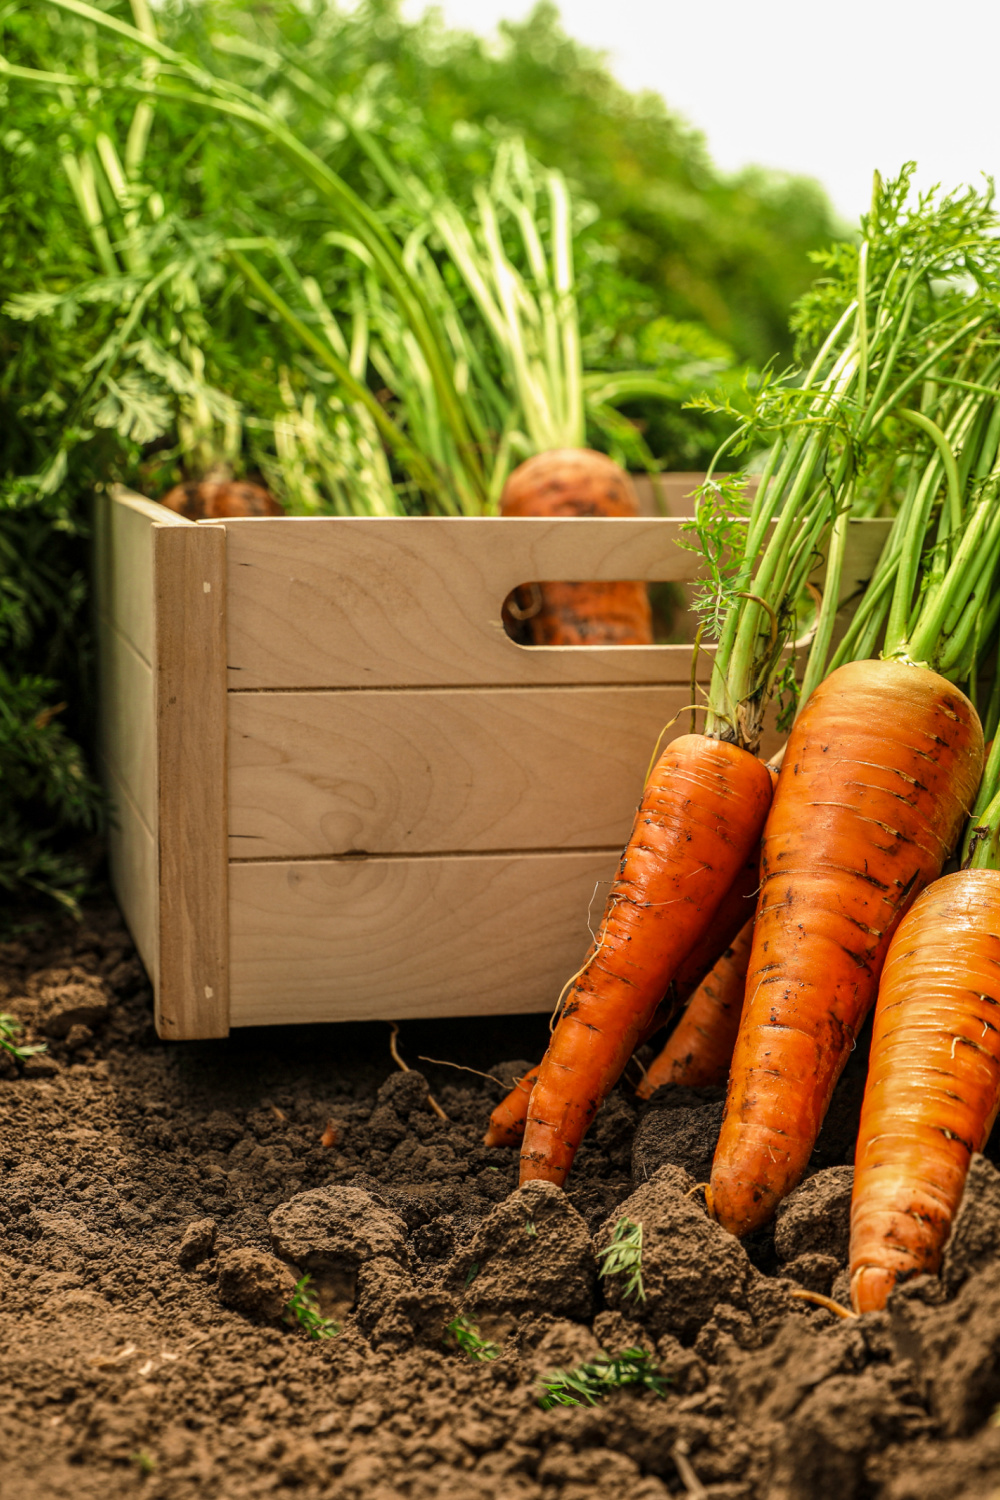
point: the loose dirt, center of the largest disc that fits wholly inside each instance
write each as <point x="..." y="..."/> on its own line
<point x="160" y="1204"/>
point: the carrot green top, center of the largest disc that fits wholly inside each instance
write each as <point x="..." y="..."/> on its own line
<point x="900" y="405"/>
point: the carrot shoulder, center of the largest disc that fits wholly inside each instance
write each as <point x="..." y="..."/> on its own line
<point x="933" y="1082"/>
<point x="881" y="767"/>
<point x="701" y="814"/>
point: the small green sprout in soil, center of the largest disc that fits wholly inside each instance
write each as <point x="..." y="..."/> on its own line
<point x="144" y="1462"/>
<point x="623" y="1257"/>
<point x="9" y="1028"/>
<point x="303" y="1308"/>
<point x="470" y="1340"/>
<point x="529" y="1227"/>
<point x="590" y="1383"/>
<point x="473" y="1273"/>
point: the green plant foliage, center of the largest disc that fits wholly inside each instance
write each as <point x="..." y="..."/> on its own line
<point x="623" y="1257"/>
<point x="303" y="1308"/>
<point x="10" y="1028"/>
<point x="469" y="1340"/>
<point x="596" y="1380"/>
<point x="132" y="350"/>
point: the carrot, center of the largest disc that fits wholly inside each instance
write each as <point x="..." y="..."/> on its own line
<point x="214" y="500"/>
<point x="933" y="1082"/>
<point x="576" y="482"/>
<point x="701" y="814"/>
<point x="506" y="1125"/>
<point x="700" y="1048"/>
<point x="881" y="766"/>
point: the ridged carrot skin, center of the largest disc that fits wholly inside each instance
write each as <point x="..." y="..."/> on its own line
<point x="881" y="768"/>
<point x="506" y="1127"/>
<point x="933" y="1082"/>
<point x="578" y="482"/>
<point x="701" y="813"/>
<point x="700" y="1048"/>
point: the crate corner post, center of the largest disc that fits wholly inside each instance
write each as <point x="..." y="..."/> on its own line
<point x="189" y="612"/>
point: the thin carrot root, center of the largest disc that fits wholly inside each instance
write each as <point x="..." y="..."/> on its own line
<point x="933" y="1083"/>
<point x="700" y="816"/>
<point x="405" y="1068"/>
<point x="820" y="1301"/>
<point x="881" y="768"/>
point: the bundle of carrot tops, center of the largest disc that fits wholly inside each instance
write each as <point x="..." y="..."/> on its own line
<point x="881" y="788"/>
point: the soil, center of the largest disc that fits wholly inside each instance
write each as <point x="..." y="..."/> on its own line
<point x="161" y="1202"/>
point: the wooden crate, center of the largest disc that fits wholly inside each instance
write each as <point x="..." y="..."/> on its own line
<point x="341" y="791"/>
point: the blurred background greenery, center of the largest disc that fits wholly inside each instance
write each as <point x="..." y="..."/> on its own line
<point x="130" y="351"/>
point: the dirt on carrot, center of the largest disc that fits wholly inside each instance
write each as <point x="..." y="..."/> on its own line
<point x="161" y="1202"/>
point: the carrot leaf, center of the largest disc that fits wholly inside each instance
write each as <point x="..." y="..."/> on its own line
<point x="591" y="1382"/>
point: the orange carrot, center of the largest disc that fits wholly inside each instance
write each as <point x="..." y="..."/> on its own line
<point x="881" y="766"/>
<point x="215" y="499"/>
<point x="700" y="816"/>
<point x="506" y="1125"/>
<point x="577" y="482"/>
<point x="700" y="1048"/>
<point x="933" y="1082"/>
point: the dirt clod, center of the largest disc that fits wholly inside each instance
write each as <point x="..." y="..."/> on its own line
<point x="254" y="1282"/>
<point x="678" y="1128"/>
<point x="815" y="1218"/>
<point x="974" y="1242"/>
<point x="336" y="1229"/>
<point x="197" y="1243"/>
<point x="531" y="1255"/>
<point x="689" y="1263"/>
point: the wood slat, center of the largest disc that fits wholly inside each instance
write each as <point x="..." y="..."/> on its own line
<point x="426" y="771"/>
<point x="321" y="602"/>
<point x="401" y="938"/>
<point x="132" y="859"/>
<point x="190" y="666"/>
<point x="123" y="562"/>
<point x="127" y="726"/>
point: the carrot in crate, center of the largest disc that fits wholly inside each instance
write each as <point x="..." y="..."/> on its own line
<point x="577" y="482"/>
<point x="216" y="499"/>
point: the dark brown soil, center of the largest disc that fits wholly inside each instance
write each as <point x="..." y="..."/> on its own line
<point x="161" y="1201"/>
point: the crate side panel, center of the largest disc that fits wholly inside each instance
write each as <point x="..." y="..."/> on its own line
<point x="435" y="770"/>
<point x="127" y="719"/>
<point x="378" y="602"/>
<point x="344" y="940"/>
<point x="133" y="865"/>
<point x="191" y="728"/>
<point x="321" y="602"/>
<point x="124" y="564"/>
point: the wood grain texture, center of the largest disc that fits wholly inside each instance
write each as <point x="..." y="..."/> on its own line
<point x="127" y="726"/>
<point x="123" y="562"/>
<point x="413" y="772"/>
<point x="349" y="939"/>
<point x="321" y="602"/>
<point x="439" y="770"/>
<point x="190" y="685"/>
<point x="132" y="860"/>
